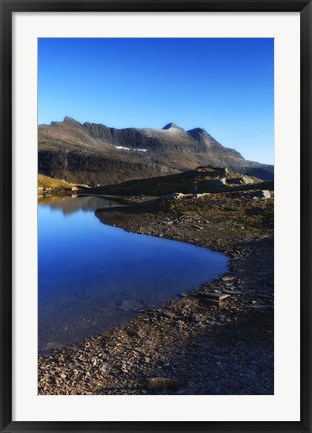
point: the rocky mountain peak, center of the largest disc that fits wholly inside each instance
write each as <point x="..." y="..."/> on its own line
<point x="70" y="120"/>
<point x="197" y="132"/>
<point x="96" y="153"/>
<point x="172" y="126"/>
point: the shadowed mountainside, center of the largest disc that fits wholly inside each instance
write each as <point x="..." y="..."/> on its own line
<point x="96" y="154"/>
<point x="201" y="180"/>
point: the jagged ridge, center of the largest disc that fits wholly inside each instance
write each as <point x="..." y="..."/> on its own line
<point x="96" y="154"/>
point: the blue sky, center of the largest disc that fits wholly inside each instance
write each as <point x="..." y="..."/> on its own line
<point x="223" y="85"/>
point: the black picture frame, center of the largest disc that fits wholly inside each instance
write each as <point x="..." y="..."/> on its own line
<point x="7" y="9"/>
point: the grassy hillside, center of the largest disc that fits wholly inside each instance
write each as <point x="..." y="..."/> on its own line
<point x="47" y="182"/>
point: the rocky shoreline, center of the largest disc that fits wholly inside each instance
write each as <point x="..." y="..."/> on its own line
<point x="217" y="339"/>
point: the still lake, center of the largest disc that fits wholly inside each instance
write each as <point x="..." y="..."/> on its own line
<point x="92" y="277"/>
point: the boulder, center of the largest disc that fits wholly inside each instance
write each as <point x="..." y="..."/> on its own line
<point x="204" y="194"/>
<point x="264" y="194"/>
<point x="172" y="196"/>
<point x="235" y="181"/>
<point x="248" y="180"/>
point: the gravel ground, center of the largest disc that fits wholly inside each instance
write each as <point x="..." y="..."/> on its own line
<point x="218" y="339"/>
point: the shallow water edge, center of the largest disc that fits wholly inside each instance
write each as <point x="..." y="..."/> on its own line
<point x="209" y="349"/>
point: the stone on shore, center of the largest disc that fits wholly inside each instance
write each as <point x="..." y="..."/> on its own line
<point x="163" y="383"/>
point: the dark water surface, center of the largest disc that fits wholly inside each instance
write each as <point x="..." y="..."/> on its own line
<point x="93" y="277"/>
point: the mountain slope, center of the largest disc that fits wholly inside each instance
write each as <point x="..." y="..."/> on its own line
<point x="201" y="180"/>
<point x="96" y="154"/>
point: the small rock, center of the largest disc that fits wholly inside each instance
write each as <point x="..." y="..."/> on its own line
<point x="216" y="296"/>
<point x="197" y="227"/>
<point x="169" y="315"/>
<point x="172" y="196"/>
<point x="228" y="278"/>
<point x="232" y="292"/>
<point x="163" y="383"/>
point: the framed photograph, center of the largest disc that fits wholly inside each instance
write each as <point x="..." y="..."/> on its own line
<point x="155" y="216"/>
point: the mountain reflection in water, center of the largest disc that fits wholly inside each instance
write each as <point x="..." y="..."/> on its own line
<point x="70" y="205"/>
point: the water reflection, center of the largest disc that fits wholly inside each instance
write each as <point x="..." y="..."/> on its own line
<point x="74" y="204"/>
<point x="93" y="276"/>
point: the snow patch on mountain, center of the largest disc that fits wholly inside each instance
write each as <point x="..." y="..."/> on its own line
<point x="128" y="148"/>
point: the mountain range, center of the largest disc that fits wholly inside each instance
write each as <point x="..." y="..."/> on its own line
<point x="96" y="154"/>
